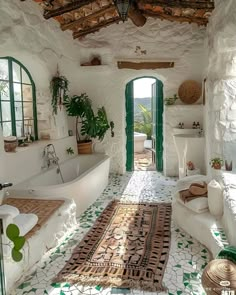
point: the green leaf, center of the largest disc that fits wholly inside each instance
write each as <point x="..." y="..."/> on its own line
<point x="12" y="232"/>
<point x="16" y="255"/>
<point x="19" y="243"/>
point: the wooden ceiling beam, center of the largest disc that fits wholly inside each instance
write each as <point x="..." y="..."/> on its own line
<point x="180" y="4"/>
<point x="144" y="65"/>
<point x="81" y="20"/>
<point x="136" y="17"/>
<point x="96" y="28"/>
<point x="181" y="19"/>
<point x="66" y="8"/>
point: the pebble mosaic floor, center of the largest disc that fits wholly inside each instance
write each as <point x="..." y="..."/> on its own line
<point x="186" y="261"/>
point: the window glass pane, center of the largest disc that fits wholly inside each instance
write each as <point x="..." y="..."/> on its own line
<point x="4" y="75"/>
<point x="28" y="110"/>
<point x="17" y="92"/>
<point x="25" y="77"/>
<point x="16" y="72"/>
<point x="19" y="128"/>
<point x="6" y="111"/>
<point x="6" y="129"/>
<point x="27" y="92"/>
<point x="18" y="110"/>
<point x="4" y="89"/>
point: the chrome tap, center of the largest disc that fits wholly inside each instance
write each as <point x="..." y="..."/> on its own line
<point x="50" y="156"/>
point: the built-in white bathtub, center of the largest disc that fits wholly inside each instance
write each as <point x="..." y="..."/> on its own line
<point x="85" y="177"/>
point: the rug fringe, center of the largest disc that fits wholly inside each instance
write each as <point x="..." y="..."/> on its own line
<point x="109" y="282"/>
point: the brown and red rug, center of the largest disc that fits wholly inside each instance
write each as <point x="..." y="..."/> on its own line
<point x="127" y="247"/>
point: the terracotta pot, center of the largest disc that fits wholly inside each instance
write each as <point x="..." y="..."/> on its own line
<point x="85" y="147"/>
<point x="216" y="166"/>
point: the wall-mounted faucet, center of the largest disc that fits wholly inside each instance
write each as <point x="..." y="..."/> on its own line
<point x="50" y="156"/>
<point x="3" y="185"/>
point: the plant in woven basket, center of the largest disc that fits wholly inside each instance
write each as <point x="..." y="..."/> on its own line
<point x="216" y="163"/>
<point x="59" y="89"/>
<point x="89" y="125"/>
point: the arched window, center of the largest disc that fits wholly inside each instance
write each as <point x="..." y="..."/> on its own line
<point x="18" y="114"/>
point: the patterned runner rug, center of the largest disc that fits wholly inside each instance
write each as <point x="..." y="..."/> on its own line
<point x="127" y="247"/>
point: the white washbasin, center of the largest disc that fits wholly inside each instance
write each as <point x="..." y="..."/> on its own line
<point x="196" y="135"/>
<point x="185" y="131"/>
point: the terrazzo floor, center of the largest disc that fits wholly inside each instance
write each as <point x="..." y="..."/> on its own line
<point x="186" y="261"/>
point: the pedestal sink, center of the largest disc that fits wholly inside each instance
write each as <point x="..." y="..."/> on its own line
<point x="190" y="147"/>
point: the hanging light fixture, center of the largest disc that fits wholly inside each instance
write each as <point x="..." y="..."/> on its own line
<point x="122" y="7"/>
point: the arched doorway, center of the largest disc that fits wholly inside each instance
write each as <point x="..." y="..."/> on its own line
<point x="157" y="123"/>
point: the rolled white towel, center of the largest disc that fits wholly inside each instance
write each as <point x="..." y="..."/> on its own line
<point x="10" y="210"/>
<point x="25" y="222"/>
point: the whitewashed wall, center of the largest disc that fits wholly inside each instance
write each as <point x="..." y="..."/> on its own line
<point x="40" y="45"/>
<point x="161" y="40"/>
<point x="221" y="82"/>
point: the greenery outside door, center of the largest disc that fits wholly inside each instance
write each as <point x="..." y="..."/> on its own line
<point x="157" y="114"/>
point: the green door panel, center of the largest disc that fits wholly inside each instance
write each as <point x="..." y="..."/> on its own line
<point x="129" y="127"/>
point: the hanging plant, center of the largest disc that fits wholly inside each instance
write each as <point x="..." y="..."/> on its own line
<point x="59" y="89"/>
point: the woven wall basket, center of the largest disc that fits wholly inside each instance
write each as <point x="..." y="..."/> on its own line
<point x="189" y="91"/>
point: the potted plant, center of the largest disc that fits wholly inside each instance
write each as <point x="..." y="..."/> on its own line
<point x="92" y="125"/>
<point x="216" y="163"/>
<point x="59" y="89"/>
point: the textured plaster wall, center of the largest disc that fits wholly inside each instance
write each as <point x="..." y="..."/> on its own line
<point x="40" y="46"/>
<point x="157" y="40"/>
<point x="221" y="82"/>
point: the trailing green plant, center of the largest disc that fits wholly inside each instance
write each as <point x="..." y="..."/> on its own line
<point x="93" y="125"/>
<point x="59" y="89"/>
<point x="171" y="100"/>
<point x="70" y="151"/>
<point x="144" y="126"/>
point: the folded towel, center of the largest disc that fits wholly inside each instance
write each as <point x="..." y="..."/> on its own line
<point x="187" y="196"/>
<point x="185" y="182"/>
<point x="25" y="222"/>
<point x="9" y="210"/>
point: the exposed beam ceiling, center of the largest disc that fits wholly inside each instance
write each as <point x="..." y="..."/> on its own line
<point x="180" y="3"/>
<point x="105" y="9"/>
<point x="66" y="8"/>
<point x="96" y="28"/>
<point x="181" y="19"/>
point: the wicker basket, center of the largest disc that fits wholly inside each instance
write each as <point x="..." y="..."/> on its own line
<point x="189" y="91"/>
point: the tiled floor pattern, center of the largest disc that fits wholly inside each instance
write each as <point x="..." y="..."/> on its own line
<point x="186" y="261"/>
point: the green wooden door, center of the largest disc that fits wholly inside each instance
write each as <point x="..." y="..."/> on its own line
<point x="157" y="115"/>
<point x="159" y="125"/>
<point x="129" y="126"/>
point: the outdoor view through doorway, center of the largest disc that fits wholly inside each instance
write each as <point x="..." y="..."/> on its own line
<point x="148" y="92"/>
<point x="144" y="155"/>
